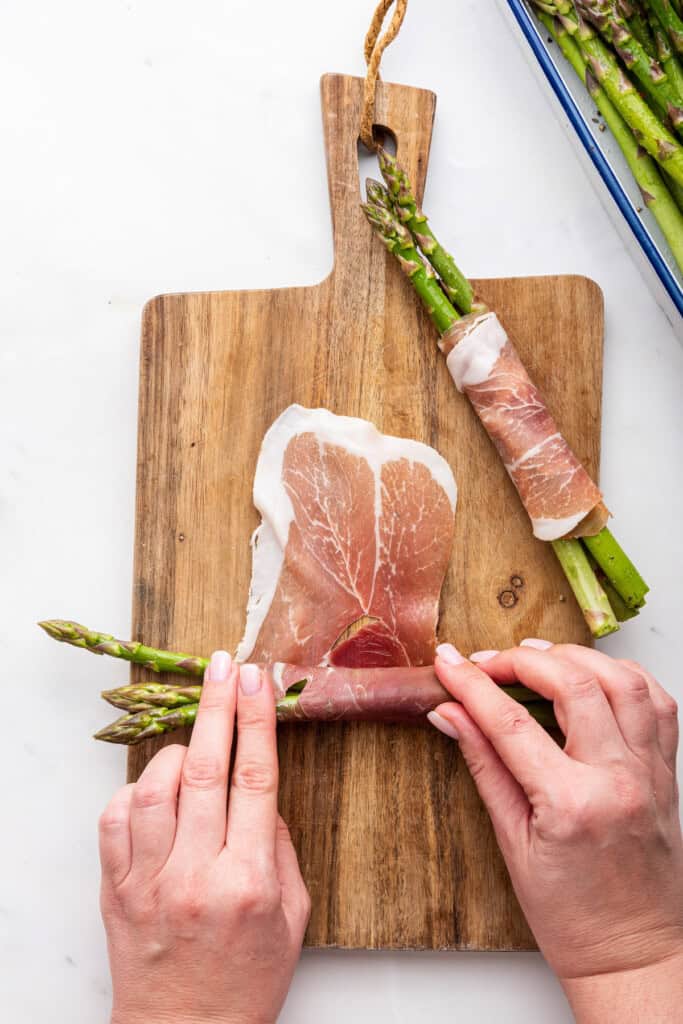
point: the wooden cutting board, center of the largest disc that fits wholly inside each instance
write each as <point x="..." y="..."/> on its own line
<point x="394" y="843"/>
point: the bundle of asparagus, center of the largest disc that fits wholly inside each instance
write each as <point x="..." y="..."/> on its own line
<point x="315" y="694"/>
<point x="606" y="584"/>
<point x="626" y="54"/>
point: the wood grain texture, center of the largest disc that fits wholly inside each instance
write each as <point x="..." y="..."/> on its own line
<point x="394" y="844"/>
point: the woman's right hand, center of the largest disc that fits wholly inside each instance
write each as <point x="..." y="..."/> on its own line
<point x="591" y="834"/>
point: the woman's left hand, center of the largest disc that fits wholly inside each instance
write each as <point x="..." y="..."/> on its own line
<point x="202" y="899"/>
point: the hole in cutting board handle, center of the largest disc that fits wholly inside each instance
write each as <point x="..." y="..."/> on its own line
<point x="368" y="166"/>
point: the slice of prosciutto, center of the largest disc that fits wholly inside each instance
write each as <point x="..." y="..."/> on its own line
<point x="331" y="693"/>
<point x="356" y="528"/>
<point x="557" y="492"/>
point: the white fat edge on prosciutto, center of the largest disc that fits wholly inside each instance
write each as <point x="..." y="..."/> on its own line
<point x="471" y="362"/>
<point x="475" y="355"/>
<point x="269" y="540"/>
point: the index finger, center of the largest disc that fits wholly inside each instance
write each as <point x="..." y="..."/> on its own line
<point x="523" y="746"/>
<point x="581" y="706"/>
<point x="202" y="805"/>
<point x="252" y="805"/>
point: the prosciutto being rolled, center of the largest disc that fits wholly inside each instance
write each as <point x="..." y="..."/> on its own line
<point x="356" y="533"/>
<point x="557" y="492"/>
<point x="330" y="694"/>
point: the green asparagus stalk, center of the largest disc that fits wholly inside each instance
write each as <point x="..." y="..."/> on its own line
<point x="399" y="242"/>
<point x="455" y="284"/>
<point x="151" y="696"/>
<point x="130" y="650"/>
<point x="619" y="606"/>
<point x="656" y="195"/>
<point x="675" y="189"/>
<point x="657" y="140"/>
<point x="666" y="56"/>
<point x="142" y="725"/>
<point x="145" y="696"/>
<point x="646" y="70"/>
<point x="649" y="72"/>
<point x="640" y="25"/>
<point x="591" y="597"/>
<point x="618" y="567"/>
<point x="671" y="22"/>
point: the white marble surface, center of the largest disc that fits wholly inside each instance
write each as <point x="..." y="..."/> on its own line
<point x="141" y="142"/>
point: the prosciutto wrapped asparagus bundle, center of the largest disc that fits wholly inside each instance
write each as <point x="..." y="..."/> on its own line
<point x="564" y="505"/>
<point x="323" y="693"/>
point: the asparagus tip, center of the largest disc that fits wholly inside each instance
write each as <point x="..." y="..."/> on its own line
<point x="63" y="629"/>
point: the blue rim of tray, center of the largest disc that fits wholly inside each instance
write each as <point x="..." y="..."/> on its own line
<point x="603" y="167"/>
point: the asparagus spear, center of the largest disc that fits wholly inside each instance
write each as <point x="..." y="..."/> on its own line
<point x="145" y="696"/>
<point x="130" y="650"/>
<point x="666" y="56"/>
<point x="456" y="285"/>
<point x="639" y="24"/>
<point x="656" y="195"/>
<point x="643" y="122"/>
<point x="591" y="597"/>
<point x="618" y="567"/>
<point x="143" y="725"/>
<point x="605" y="16"/>
<point x="671" y="22"/>
<point x="675" y="189"/>
<point x="154" y="720"/>
<point x="399" y="242"/>
<point x="619" y="606"/>
<point x="133" y="729"/>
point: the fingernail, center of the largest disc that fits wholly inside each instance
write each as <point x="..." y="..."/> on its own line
<point x="219" y="667"/>
<point x="539" y="645"/>
<point x="448" y="653"/>
<point x="483" y="656"/>
<point x="442" y="724"/>
<point x="250" y="679"/>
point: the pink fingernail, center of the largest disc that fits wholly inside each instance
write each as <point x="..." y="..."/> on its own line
<point x="443" y="725"/>
<point x="483" y="656"/>
<point x="219" y="667"/>
<point x="448" y="653"/>
<point x="539" y="645"/>
<point x="250" y="679"/>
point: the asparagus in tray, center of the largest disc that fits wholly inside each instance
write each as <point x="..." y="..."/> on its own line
<point x="565" y="506"/>
<point x="320" y="693"/>
<point x="626" y="53"/>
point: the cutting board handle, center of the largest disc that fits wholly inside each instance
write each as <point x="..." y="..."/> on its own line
<point x="408" y="113"/>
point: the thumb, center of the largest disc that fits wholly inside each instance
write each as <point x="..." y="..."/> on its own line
<point x="504" y="798"/>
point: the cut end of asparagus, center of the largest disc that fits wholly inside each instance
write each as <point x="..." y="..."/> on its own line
<point x="617" y="567"/>
<point x="591" y="597"/>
